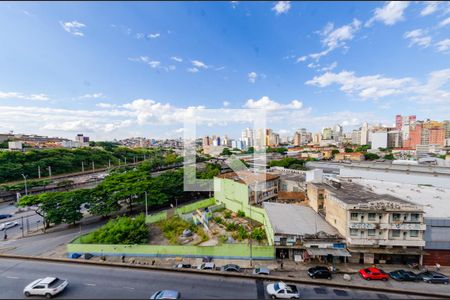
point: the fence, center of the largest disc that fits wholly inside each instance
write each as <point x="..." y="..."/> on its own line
<point x="226" y="251"/>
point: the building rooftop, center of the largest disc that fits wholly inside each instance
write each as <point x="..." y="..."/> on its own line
<point x="246" y="176"/>
<point x="435" y="200"/>
<point x="293" y="219"/>
<point x="354" y="193"/>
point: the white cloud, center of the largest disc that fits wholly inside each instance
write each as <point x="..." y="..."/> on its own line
<point x="154" y="64"/>
<point x="301" y="58"/>
<point x="198" y="64"/>
<point x="93" y="96"/>
<point x="176" y="58"/>
<point x="282" y="7"/>
<point x="430" y="7"/>
<point x="153" y="35"/>
<point x="390" y="13"/>
<point x="377" y="86"/>
<point x="444" y="22"/>
<point x="418" y="37"/>
<point x="333" y="38"/>
<point x="18" y="95"/>
<point x="443" y="46"/>
<point x="226" y="103"/>
<point x="105" y="105"/>
<point x="366" y="87"/>
<point x="330" y="67"/>
<point x="193" y="70"/>
<point x="140" y="35"/>
<point x="266" y="103"/>
<point x="252" y="76"/>
<point x="73" y="27"/>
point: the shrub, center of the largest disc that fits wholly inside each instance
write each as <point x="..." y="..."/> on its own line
<point x="258" y="234"/>
<point x="240" y="214"/>
<point x="218" y="220"/>
<point x="231" y="226"/>
<point x="242" y="233"/>
<point x="227" y="214"/>
<point x="122" y="231"/>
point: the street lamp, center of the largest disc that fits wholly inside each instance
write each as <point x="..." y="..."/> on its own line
<point x="25" y="179"/>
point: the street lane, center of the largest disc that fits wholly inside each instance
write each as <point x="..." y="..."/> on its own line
<point x="108" y="282"/>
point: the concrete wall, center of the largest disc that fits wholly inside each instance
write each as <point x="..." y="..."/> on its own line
<point x="336" y="215"/>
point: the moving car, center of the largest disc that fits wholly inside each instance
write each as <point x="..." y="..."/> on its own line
<point x="281" y="290"/>
<point x="402" y="275"/>
<point x="48" y="287"/>
<point x="261" y="271"/>
<point x="5" y="216"/>
<point x="166" y="294"/>
<point x="231" y="268"/>
<point x="183" y="266"/>
<point x="8" y="225"/>
<point x="373" y="274"/>
<point x="319" y="272"/>
<point x="433" y="277"/>
<point x="207" y="266"/>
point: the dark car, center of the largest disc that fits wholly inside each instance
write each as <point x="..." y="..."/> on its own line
<point x="231" y="268"/>
<point x="183" y="266"/>
<point x="5" y="216"/>
<point x="402" y="275"/>
<point x="433" y="277"/>
<point x="319" y="272"/>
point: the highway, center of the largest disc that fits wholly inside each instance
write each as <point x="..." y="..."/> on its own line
<point x="101" y="282"/>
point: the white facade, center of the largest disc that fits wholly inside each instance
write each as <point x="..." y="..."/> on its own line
<point x="379" y="140"/>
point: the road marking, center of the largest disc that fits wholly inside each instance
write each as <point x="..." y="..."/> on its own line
<point x="12" y="277"/>
<point x="128" y="287"/>
<point x="90" y="284"/>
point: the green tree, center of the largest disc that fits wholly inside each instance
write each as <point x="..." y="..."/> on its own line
<point x="226" y="152"/>
<point x="348" y="150"/>
<point x="389" y="156"/>
<point x="371" y="156"/>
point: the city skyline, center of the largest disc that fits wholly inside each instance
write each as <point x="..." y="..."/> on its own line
<point x="120" y="75"/>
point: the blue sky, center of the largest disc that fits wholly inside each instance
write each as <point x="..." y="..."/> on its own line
<point x="112" y="70"/>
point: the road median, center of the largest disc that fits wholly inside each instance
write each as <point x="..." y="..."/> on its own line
<point x="226" y="274"/>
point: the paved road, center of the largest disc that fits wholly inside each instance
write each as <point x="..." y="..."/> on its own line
<point x="107" y="282"/>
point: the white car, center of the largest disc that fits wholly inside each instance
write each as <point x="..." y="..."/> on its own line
<point x="48" y="287"/>
<point x="281" y="290"/>
<point x="8" y="225"/>
<point x="207" y="266"/>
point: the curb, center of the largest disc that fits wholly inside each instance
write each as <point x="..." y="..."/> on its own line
<point x="226" y="274"/>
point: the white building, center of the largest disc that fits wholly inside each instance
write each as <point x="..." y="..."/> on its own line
<point x="379" y="140"/>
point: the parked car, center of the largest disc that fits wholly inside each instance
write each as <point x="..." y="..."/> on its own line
<point x="207" y="266"/>
<point x="433" y="277"/>
<point x="373" y="274"/>
<point x="48" y="287"/>
<point x="261" y="271"/>
<point x="166" y="294"/>
<point x="183" y="266"/>
<point x="231" y="268"/>
<point x="281" y="290"/>
<point x="5" y="216"/>
<point x="319" y="272"/>
<point x="8" y="225"/>
<point x="402" y="275"/>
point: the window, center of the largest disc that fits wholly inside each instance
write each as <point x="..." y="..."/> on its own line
<point x="371" y="232"/>
<point x="415" y="217"/>
<point x="396" y="217"/>
<point x="354" y="216"/>
<point x="395" y="233"/>
<point x="353" y="232"/>
<point x="414" y="233"/>
<point x="372" y="216"/>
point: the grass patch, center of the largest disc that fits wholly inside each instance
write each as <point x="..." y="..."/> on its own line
<point x="173" y="228"/>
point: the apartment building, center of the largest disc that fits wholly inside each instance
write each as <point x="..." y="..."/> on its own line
<point x="353" y="156"/>
<point x="378" y="228"/>
<point x="247" y="187"/>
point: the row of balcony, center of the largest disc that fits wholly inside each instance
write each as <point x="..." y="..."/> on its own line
<point x="385" y="242"/>
<point x="388" y="226"/>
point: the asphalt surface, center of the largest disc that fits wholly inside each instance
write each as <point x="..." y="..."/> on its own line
<point x="119" y="283"/>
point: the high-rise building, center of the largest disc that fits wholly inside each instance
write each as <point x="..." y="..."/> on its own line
<point x="327" y="133"/>
<point x="364" y="134"/>
<point x="297" y="139"/>
<point x="356" y="137"/>
<point x="206" y="141"/>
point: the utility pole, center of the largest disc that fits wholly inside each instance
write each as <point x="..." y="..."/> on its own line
<point x="39" y="172"/>
<point x="125" y="160"/>
<point x="26" y="188"/>
<point x="93" y="166"/>
<point x="82" y="166"/>
<point x="109" y="163"/>
<point x="22" y="226"/>
<point x="144" y="156"/>
<point x="134" y="159"/>
<point x="251" y="228"/>
<point x="50" y="171"/>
